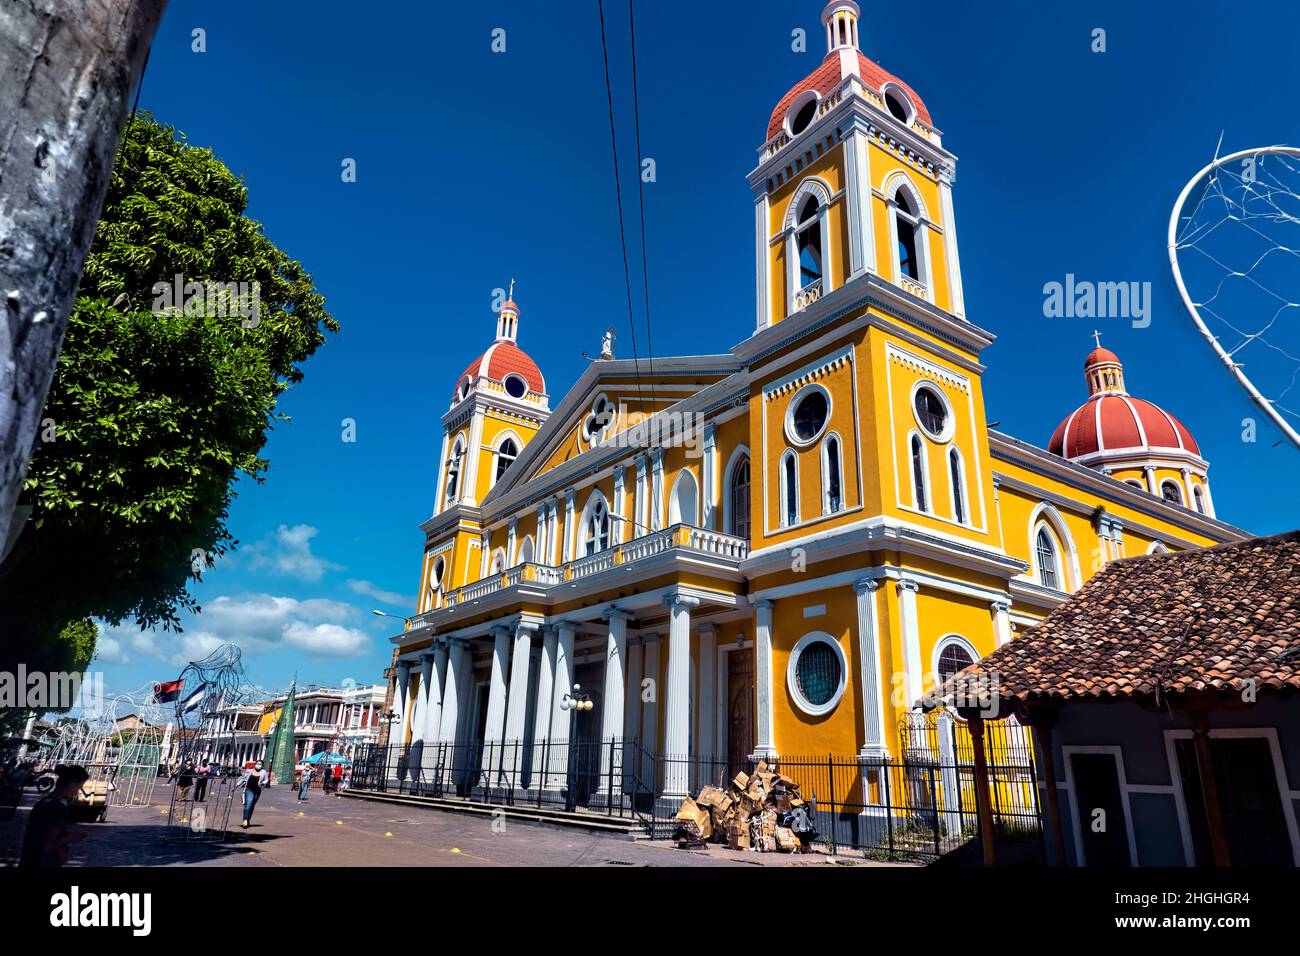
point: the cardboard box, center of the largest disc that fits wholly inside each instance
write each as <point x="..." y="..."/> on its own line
<point x="692" y="812"/>
<point x="786" y="841"/>
<point x="711" y="796"/>
<point x="741" y="780"/>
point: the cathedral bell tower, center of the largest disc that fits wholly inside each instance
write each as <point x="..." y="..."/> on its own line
<point x="852" y="181"/>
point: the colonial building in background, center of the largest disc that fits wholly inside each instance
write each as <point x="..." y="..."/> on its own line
<point x="776" y="549"/>
<point x="340" y="720"/>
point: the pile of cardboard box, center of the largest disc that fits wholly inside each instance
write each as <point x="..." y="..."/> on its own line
<point x="763" y="811"/>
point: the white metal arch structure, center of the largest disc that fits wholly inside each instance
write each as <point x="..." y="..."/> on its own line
<point x="1265" y="404"/>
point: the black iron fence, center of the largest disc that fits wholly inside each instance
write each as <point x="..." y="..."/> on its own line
<point x="919" y="806"/>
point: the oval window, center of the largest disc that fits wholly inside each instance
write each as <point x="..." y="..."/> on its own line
<point x="897" y="107"/>
<point x="803" y="119"/>
<point x="516" y="387"/>
<point x="818" y="673"/>
<point x="809" y="417"/>
<point x="931" y="411"/>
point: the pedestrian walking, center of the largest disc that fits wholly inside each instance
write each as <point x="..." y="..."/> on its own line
<point x="304" y="782"/>
<point x="49" y="826"/>
<point x="201" y="781"/>
<point x="185" y="780"/>
<point x="253" y="780"/>
<point x="338" y="776"/>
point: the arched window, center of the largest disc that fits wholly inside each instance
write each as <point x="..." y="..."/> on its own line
<point x="595" y="526"/>
<point x="1170" y="491"/>
<point x="682" y="505"/>
<point x="789" y="490"/>
<point x="907" y="232"/>
<point x="1198" y="496"/>
<point x="918" y="474"/>
<point x="506" y="453"/>
<point x="1049" y="560"/>
<point x="526" y="549"/>
<point x="454" y="464"/>
<point x="954" y="655"/>
<point x="808" y="237"/>
<point x="958" y="487"/>
<point x="499" y="561"/>
<point x="738" y="498"/>
<point x="832" y="495"/>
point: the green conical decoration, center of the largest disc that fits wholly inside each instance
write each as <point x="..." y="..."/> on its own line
<point x="281" y="749"/>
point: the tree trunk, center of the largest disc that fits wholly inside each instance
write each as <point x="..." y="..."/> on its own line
<point x="67" y="72"/>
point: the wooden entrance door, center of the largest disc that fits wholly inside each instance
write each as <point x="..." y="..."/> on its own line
<point x="740" y="710"/>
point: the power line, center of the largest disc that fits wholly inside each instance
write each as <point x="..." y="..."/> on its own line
<point x="618" y="193"/>
<point x="640" y="179"/>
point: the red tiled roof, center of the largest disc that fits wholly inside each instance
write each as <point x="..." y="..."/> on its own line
<point x="502" y="358"/>
<point x="1100" y="356"/>
<point x="827" y="76"/>
<point x="1215" y="619"/>
<point x="1111" y="421"/>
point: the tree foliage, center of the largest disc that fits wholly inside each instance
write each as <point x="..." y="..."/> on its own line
<point x="154" y="414"/>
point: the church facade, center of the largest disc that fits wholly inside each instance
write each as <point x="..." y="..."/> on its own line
<point x="779" y="548"/>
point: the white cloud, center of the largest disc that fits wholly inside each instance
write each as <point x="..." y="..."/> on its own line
<point x="257" y="623"/>
<point x="288" y="552"/>
<point x="391" y="598"/>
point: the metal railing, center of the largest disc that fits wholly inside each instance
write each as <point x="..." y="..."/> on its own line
<point x="920" y="806"/>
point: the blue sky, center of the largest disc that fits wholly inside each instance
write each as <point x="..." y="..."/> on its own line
<point x="473" y="167"/>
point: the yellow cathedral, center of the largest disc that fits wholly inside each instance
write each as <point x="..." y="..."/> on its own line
<point x="773" y="550"/>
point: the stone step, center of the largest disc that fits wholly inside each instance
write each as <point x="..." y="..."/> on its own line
<point x="591" y="821"/>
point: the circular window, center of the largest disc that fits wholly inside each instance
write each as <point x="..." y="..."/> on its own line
<point x="516" y="387"/>
<point x="817" y="674"/>
<point x="808" y="415"/>
<point x="932" y="412"/>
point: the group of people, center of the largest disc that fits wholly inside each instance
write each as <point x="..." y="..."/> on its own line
<point x="333" y="779"/>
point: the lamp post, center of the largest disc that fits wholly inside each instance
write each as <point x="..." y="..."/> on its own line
<point x="573" y="703"/>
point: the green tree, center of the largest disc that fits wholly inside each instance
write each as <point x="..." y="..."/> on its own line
<point x="154" y="413"/>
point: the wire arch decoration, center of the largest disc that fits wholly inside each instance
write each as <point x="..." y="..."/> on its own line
<point x="200" y="804"/>
<point x="1239" y="219"/>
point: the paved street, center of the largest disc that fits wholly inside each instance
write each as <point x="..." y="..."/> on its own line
<point x="333" y="830"/>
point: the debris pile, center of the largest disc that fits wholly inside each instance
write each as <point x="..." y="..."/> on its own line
<point x="763" y="811"/>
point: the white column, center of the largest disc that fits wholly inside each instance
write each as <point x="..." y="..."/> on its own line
<point x="873" y="698"/>
<point x="765" y="745"/>
<point x="553" y="532"/>
<point x="397" y="728"/>
<point x="545" y="686"/>
<point x="656" y="489"/>
<point x="650" y="644"/>
<point x="862" y="252"/>
<point x="1187" y="489"/>
<point x="950" y="247"/>
<point x="619" y="531"/>
<point x="1117" y="537"/>
<point x="1001" y="610"/>
<point x="1151" y="479"/>
<point x="512" y="537"/>
<point x="485" y="554"/>
<point x="632" y="708"/>
<point x="570" y="496"/>
<point x="709" y="474"/>
<point x="442" y="474"/>
<point x="495" y="730"/>
<point x="911" y="628"/>
<point x="708" y="659"/>
<point x="557" y="771"/>
<point x="642" y="498"/>
<point x="612" y="712"/>
<point x="517" y="701"/>
<point x="677" y="696"/>
<point x="469" y="470"/>
<point x="541" y="551"/>
<point x="762" y="253"/>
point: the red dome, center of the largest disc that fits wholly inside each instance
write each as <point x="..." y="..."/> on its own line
<point x="1100" y="356"/>
<point x="502" y="358"/>
<point x="1110" y="422"/>
<point x="828" y="76"/>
